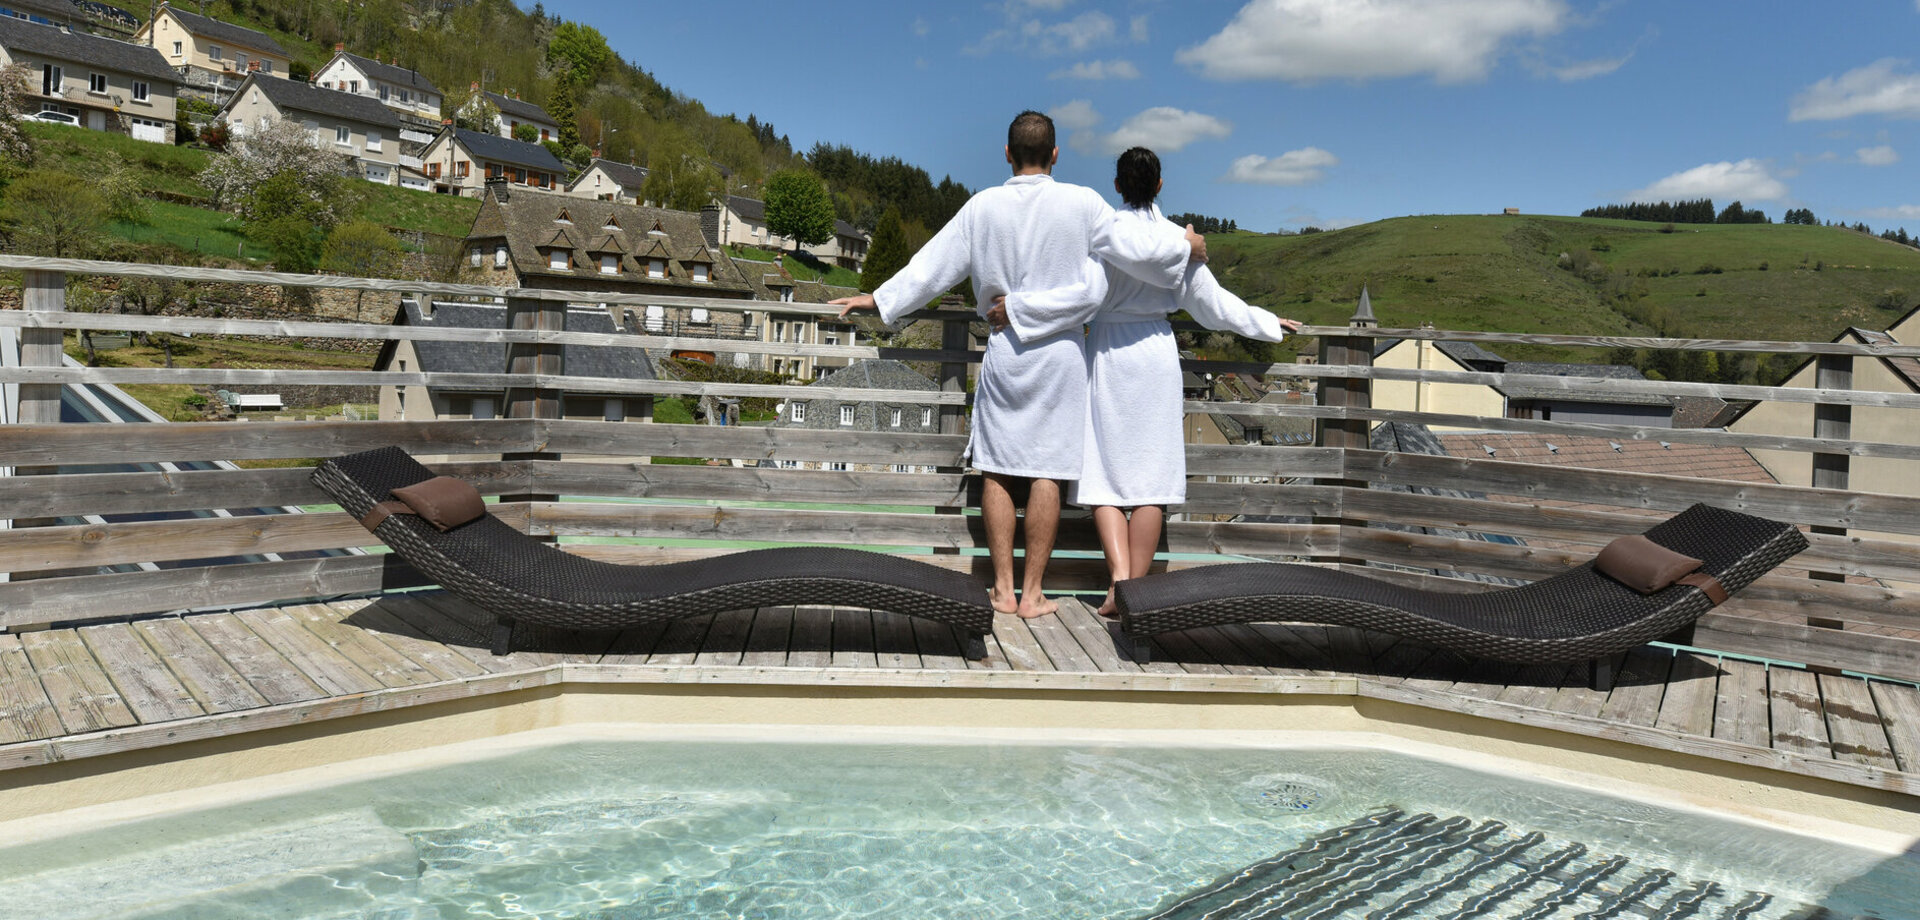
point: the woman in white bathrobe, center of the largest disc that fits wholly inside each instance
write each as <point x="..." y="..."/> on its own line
<point x="1135" y="461"/>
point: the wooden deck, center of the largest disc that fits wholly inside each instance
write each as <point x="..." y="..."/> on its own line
<point x="70" y="693"/>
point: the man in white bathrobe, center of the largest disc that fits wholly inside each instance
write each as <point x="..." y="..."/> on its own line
<point x="1031" y="233"/>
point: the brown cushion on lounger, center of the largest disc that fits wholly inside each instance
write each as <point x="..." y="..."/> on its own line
<point x="1643" y="565"/>
<point x="444" y="502"/>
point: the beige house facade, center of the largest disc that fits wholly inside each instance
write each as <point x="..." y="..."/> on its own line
<point x="606" y="180"/>
<point x="404" y="92"/>
<point x="355" y="127"/>
<point x="460" y="162"/>
<point x="104" y="84"/>
<point x="792" y="326"/>
<point x="1421" y="396"/>
<point x="209" y="53"/>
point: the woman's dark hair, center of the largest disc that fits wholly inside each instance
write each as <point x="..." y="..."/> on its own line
<point x="1137" y="177"/>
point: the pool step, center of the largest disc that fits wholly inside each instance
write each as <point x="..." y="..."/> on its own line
<point x="1391" y="865"/>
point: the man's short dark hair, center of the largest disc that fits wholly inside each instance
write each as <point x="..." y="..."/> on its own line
<point x="1030" y="140"/>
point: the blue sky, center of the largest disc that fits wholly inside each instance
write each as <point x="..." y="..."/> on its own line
<point x="1283" y="113"/>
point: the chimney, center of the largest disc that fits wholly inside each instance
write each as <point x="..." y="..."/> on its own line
<point x="253" y="67"/>
<point x="339" y="46"/>
<point x="710" y="224"/>
<point x="499" y="188"/>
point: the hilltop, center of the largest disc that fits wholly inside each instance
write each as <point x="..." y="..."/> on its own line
<point x="1580" y="276"/>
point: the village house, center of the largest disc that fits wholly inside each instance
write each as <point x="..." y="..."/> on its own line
<point x="1596" y="405"/>
<point x="103" y="84"/>
<point x="743" y="222"/>
<point x="510" y="112"/>
<point x="356" y="127"/>
<point x="771" y="283"/>
<point x="839" y="414"/>
<point x="211" y="55"/>
<point x="606" y="180"/>
<point x="405" y="92"/>
<point x="460" y="162"/>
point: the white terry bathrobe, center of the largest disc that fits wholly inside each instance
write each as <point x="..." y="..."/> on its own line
<point x="1032" y="234"/>
<point x="1135" y="454"/>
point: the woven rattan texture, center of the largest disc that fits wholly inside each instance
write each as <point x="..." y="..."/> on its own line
<point x="1574" y="616"/>
<point x="514" y="576"/>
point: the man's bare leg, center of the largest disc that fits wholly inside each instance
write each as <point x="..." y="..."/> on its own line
<point x="1143" y="537"/>
<point x="1115" y="541"/>
<point x="996" y="507"/>
<point x="1043" y="523"/>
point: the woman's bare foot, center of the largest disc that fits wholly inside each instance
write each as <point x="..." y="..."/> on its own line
<point x="1035" y="605"/>
<point x="1107" y="608"/>
<point x="1003" y="602"/>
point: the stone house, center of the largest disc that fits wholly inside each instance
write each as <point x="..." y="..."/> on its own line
<point x="106" y="85"/>
<point x="771" y="283"/>
<point x="888" y="414"/>
<point x="354" y="126"/>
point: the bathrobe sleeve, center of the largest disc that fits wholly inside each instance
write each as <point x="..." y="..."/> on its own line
<point x="932" y="271"/>
<point x="1154" y="251"/>
<point x="1216" y="307"/>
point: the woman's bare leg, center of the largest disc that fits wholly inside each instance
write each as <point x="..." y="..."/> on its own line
<point x="1143" y="537"/>
<point x="1114" y="531"/>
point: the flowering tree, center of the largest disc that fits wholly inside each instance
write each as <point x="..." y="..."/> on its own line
<point x="15" y="87"/>
<point x="273" y="149"/>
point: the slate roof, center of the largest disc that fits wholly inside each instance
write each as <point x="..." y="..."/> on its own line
<point x="228" y="32"/>
<point x="1907" y="368"/>
<point x="511" y="106"/>
<point x="1467" y="354"/>
<point x="867" y="374"/>
<point x="486" y="146"/>
<point x="747" y="208"/>
<point x="1597" y="371"/>
<point x="843" y="228"/>
<point x="527" y="222"/>
<point x="629" y="176"/>
<point x="488" y="358"/>
<point x="54" y="42"/>
<point x="296" y="96"/>
<point x="389" y="73"/>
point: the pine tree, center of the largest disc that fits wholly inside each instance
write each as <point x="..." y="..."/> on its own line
<point x="888" y="254"/>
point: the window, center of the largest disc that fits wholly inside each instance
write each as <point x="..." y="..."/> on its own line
<point x="97" y="83"/>
<point x="656" y="318"/>
<point x="266" y="66"/>
<point x="475" y="257"/>
<point x="343" y="135"/>
<point x="926" y="417"/>
<point x="214" y="52"/>
<point x="656" y="268"/>
<point x="838" y="466"/>
<point x="405" y="98"/>
<point x="483" y="407"/>
<point x="373" y="140"/>
<point x="698" y="314"/>
<point x="895" y="418"/>
<point x="616" y="410"/>
<point x="798" y="412"/>
<point x="433" y="170"/>
<point x="140" y="91"/>
<point x="609" y="264"/>
<point x="558" y="261"/>
<point x="240" y="63"/>
<point x="383" y="92"/>
<point x="50" y="80"/>
<point x="900" y="468"/>
<point x="544" y="136"/>
<point x="460" y="169"/>
<point x="786" y="295"/>
<point x="829" y="336"/>
<point x="562" y="218"/>
<point x="700" y="272"/>
<point x="176" y="49"/>
<point x="780" y="332"/>
<point x="846" y="415"/>
<point x="500" y="256"/>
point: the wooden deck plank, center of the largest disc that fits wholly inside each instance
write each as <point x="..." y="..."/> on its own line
<point x="475" y="626"/>
<point x="1899" y="707"/>
<point x="82" y="695"/>
<point x="1534" y="685"/>
<point x="322" y="663"/>
<point x="1486" y="680"/>
<point x="1261" y="647"/>
<point x="1692" y="686"/>
<point x="853" y="638"/>
<point x="1018" y="646"/>
<point x="1741" y="710"/>
<point x="148" y="686"/>
<point x="25" y="712"/>
<point x="1058" y="641"/>
<point x="458" y="629"/>
<point x="226" y="665"/>
<point x="1799" y="725"/>
<point x="1577" y="696"/>
<point x="1098" y="636"/>
<point x="1401" y="659"/>
<point x="767" y="643"/>
<point x="1639" y="687"/>
<point x="633" y="646"/>
<point x="378" y="620"/>
<point x="1233" y="656"/>
<point x="360" y="646"/>
<point x="1310" y="644"/>
<point x="1351" y="651"/>
<point x="940" y="647"/>
<point x="893" y="642"/>
<point x="1181" y="649"/>
<point x="1853" y="724"/>
<point x="680" y="644"/>
<point x="726" y="638"/>
<point x="812" y="638"/>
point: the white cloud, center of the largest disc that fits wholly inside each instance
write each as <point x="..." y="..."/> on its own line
<point x="1138" y="29"/>
<point x="1883" y="155"/>
<point x="1077" y="115"/>
<point x="1747" y="180"/>
<point x="1897" y="212"/>
<point x="1031" y="35"/>
<point x="1307" y="40"/>
<point x="1116" y="69"/>
<point x="1876" y="89"/>
<point x="1295" y="167"/>
<point x="1166" y="129"/>
<point x="1587" y="70"/>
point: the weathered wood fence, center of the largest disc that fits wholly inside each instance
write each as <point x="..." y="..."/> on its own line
<point x="1850" y="602"/>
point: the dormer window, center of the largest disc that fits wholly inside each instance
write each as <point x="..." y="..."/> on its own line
<point x="612" y="223"/>
<point x="558" y="260"/>
<point x="500" y="256"/>
<point x="846" y="415"/>
<point x="700" y="273"/>
<point x="609" y="264"/>
<point x="562" y="218"/>
<point x="656" y="268"/>
<point x="786" y="294"/>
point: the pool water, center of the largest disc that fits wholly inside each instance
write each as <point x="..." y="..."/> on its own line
<point x="622" y="829"/>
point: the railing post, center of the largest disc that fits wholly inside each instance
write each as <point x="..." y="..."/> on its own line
<point x="1830" y="470"/>
<point x="41" y="292"/>
<point x="1351" y="393"/>
<point x="954" y="336"/>
<point x="524" y="313"/>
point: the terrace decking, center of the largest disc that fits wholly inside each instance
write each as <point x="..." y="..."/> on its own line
<point x="77" y="692"/>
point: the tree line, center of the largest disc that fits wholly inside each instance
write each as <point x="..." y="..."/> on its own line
<point x="1204" y="224"/>
<point x="1699" y="211"/>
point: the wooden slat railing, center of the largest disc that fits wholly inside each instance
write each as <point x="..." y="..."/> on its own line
<point x="1243" y="501"/>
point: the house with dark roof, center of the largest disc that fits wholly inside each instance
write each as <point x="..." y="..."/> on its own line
<point x="610" y="181"/>
<point x="422" y="403"/>
<point x="1450" y="398"/>
<point x="411" y="97"/>
<point x="890" y="413"/>
<point x="211" y="54"/>
<point x="743" y="221"/>
<point x="510" y="112"/>
<point x="107" y="85"/>
<point x="1591" y="404"/>
<point x="773" y="284"/>
<point x="460" y="162"/>
<point x="1599" y="405"/>
<point x="356" y="127"/>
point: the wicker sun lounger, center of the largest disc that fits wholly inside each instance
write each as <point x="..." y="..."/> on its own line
<point x="515" y="577"/>
<point x="1578" y="615"/>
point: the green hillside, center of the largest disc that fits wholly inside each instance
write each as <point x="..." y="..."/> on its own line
<point x="1580" y="276"/>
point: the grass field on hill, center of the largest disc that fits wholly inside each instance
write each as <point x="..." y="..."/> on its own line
<point x="1580" y="276"/>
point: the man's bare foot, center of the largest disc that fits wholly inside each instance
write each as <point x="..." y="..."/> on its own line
<point x="1003" y="601"/>
<point x="1034" y="605"/>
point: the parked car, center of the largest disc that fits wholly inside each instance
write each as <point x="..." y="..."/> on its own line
<point x="61" y="118"/>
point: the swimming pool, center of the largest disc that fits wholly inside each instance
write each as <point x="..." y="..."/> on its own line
<point x="861" y="827"/>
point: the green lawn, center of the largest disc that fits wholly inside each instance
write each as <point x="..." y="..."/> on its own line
<point x="200" y="230"/>
<point x="832" y="274"/>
